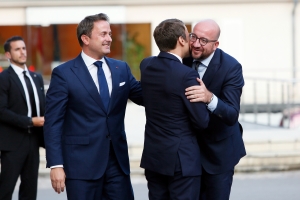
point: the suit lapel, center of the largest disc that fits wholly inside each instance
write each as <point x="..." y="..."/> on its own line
<point x="212" y="68"/>
<point x="17" y="81"/>
<point x="39" y="88"/>
<point x="115" y="74"/>
<point x="81" y="71"/>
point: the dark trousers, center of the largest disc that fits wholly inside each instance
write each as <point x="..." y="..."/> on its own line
<point x="23" y="162"/>
<point x="177" y="187"/>
<point x="114" y="185"/>
<point x="216" y="186"/>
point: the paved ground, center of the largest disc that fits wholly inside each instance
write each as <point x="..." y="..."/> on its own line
<point x="249" y="186"/>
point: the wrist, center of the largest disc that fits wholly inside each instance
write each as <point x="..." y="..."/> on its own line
<point x="211" y="99"/>
<point x="30" y="122"/>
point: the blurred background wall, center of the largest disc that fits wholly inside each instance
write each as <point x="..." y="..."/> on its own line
<point x="263" y="35"/>
<point x="259" y="33"/>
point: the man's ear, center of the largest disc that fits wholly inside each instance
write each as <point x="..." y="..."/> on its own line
<point x="181" y="41"/>
<point x="85" y="39"/>
<point x="216" y="45"/>
<point x="7" y="55"/>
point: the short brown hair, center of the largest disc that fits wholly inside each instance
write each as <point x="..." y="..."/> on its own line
<point x="86" y="26"/>
<point x="167" y="33"/>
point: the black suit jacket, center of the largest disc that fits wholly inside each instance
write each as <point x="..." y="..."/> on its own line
<point x="14" y="121"/>
<point x="172" y="120"/>
<point x="221" y="143"/>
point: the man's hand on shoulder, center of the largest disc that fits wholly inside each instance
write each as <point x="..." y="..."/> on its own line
<point x="198" y="93"/>
<point x="58" y="177"/>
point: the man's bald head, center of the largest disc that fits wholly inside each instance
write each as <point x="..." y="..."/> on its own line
<point x="209" y="26"/>
<point x="207" y="33"/>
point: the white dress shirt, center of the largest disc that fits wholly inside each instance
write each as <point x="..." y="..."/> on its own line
<point x="93" y="69"/>
<point x="213" y="104"/>
<point x="19" y="72"/>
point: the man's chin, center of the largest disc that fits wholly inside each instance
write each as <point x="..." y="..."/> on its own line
<point x="196" y="56"/>
<point x="106" y="51"/>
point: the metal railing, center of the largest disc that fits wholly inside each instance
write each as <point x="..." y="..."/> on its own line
<point x="271" y="102"/>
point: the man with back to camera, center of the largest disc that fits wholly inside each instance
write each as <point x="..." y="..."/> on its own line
<point x="86" y="145"/>
<point x="220" y="87"/>
<point x="22" y="102"/>
<point x="171" y="155"/>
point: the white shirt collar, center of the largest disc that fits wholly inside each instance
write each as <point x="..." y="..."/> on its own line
<point x="89" y="60"/>
<point x="207" y="60"/>
<point x="17" y="69"/>
<point x="179" y="58"/>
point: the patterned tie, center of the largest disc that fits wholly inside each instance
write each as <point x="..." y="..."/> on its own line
<point x="31" y="95"/>
<point x="200" y="68"/>
<point x="104" y="93"/>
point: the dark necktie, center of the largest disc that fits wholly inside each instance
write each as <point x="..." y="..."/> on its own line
<point x="104" y="93"/>
<point x="196" y="65"/>
<point x="31" y="95"/>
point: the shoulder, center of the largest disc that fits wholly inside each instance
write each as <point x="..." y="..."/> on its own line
<point x="115" y="61"/>
<point x="225" y="57"/>
<point x="66" y="65"/>
<point x="147" y="60"/>
<point x="6" y="73"/>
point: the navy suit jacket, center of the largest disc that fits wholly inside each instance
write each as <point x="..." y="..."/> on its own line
<point x="14" y="121"/>
<point x="77" y="127"/>
<point x="221" y="143"/>
<point x="172" y="120"/>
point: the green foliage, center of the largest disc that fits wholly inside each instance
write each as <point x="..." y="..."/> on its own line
<point x="1" y="49"/>
<point x="134" y="54"/>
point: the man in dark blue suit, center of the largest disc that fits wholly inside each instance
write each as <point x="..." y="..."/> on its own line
<point x="171" y="155"/>
<point x="221" y="86"/>
<point x="86" y="145"/>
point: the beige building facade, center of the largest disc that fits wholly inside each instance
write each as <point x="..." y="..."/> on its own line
<point x="262" y="34"/>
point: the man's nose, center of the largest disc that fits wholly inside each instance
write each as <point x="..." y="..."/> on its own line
<point x="196" y="43"/>
<point x="23" y="51"/>
<point x="109" y="38"/>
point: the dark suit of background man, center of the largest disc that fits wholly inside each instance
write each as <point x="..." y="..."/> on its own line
<point x="171" y="155"/>
<point x="84" y="130"/>
<point x="221" y="143"/>
<point x="21" y="121"/>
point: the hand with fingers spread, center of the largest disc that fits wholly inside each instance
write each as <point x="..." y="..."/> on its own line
<point x="198" y="93"/>
<point x="58" y="177"/>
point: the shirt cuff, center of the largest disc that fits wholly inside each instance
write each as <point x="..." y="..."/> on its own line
<point x="56" y="166"/>
<point x="213" y="104"/>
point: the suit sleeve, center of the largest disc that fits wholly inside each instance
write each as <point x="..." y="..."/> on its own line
<point x="6" y="115"/>
<point x="198" y="113"/>
<point x="135" y="93"/>
<point x="229" y="99"/>
<point x="41" y="91"/>
<point x="56" y="102"/>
